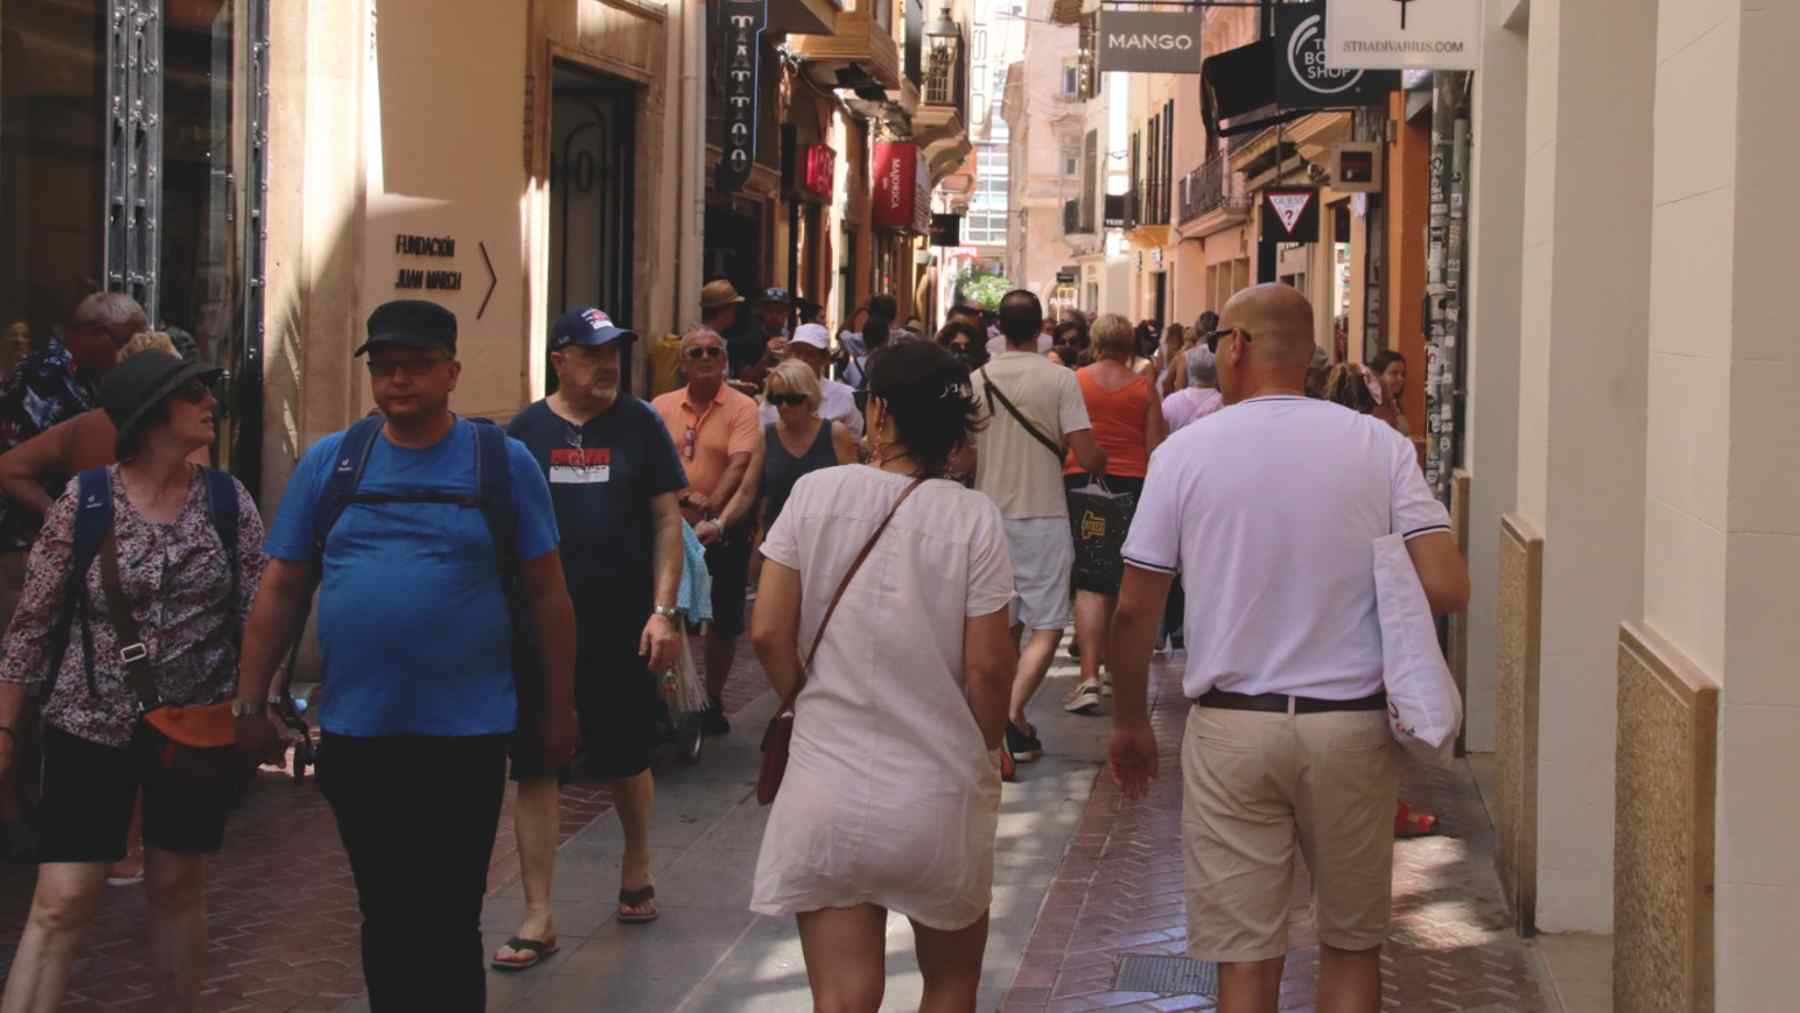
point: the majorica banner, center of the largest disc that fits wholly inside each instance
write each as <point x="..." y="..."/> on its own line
<point x="1159" y="42"/>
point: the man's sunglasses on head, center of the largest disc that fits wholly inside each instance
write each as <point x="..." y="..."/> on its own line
<point x="1213" y="337"/>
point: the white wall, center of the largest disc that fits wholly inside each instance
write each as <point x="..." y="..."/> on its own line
<point x="1581" y="434"/>
<point x="1758" y="891"/>
<point x="459" y="175"/>
<point x="1496" y="245"/>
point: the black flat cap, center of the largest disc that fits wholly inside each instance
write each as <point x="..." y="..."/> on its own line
<point x="412" y="322"/>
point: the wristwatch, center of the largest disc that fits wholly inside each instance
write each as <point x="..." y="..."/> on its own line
<point x="247" y="708"/>
<point x="666" y="613"/>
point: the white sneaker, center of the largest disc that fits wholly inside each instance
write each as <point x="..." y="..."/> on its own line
<point x="1085" y="698"/>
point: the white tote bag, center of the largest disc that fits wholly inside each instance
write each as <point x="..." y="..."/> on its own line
<point x="1424" y="709"/>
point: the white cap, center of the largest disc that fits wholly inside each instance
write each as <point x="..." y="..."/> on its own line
<point x="815" y="335"/>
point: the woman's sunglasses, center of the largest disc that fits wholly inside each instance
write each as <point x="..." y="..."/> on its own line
<point x="193" y="392"/>
<point x="784" y="400"/>
<point x="705" y="352"/>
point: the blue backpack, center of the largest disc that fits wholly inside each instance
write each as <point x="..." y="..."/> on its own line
<point x="493" y="495"/>
<point x="93" y="522"/>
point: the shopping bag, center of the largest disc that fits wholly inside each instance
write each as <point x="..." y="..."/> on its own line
<point x="1098" y="520"/>
<point x="1424" y="709"/>
<point x="682" y="685"/>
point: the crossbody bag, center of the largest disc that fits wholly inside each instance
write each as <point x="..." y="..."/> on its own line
<point x="199" y="742"/>
<point x="779" y="736"/>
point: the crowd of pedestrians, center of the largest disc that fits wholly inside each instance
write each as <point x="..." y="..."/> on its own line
<point x="893" y="516"/>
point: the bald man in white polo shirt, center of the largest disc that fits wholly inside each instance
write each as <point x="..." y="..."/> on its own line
<point x="1274" y="503"/>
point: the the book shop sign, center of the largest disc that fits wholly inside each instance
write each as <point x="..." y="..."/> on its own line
<point x="1150" y="42"/>
<point x="1403" y="34"/>
<point x="739" y="26"/>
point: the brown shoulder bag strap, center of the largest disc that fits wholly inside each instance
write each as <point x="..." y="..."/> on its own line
<point x="843" y="585"/>
<point x="130" y="640"/>
<point x="1006" y="402"/>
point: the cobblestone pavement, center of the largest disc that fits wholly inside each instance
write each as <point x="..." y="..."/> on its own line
<point x="283" y="926"/>
<point x="1119" y="891"/>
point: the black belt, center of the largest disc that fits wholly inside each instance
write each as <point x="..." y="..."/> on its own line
<point x="1281" y="703"/>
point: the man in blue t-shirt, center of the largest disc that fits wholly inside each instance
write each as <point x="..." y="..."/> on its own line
<point x="415" y="633"/>
<point x="614" y="476"/>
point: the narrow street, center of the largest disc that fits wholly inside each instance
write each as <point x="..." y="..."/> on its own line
<point x="1082" y="880"/>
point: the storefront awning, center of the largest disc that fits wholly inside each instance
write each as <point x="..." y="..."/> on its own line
<point x="1237" y="90"/>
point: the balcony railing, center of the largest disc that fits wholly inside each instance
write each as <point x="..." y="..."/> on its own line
<point x="1075" y="221"/>
<point x="947" y="77"/>
<point x="1211" y="187"/>
<point x="1156" y="202"/>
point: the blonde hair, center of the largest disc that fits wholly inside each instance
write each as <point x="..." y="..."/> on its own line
<point x="144" y="341"/>
<point x="1113" y="336"/>
<point x="796" y="377"/>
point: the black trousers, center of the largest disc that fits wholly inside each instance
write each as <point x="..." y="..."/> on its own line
<point x="417" y="814"/>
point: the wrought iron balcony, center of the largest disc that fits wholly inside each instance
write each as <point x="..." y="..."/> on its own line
<point x="1212" y="187"/>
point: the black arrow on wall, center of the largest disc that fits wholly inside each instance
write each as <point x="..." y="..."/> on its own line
<point x="493" y="279"/>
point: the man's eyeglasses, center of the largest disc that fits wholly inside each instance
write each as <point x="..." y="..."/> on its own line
<point x="381" y="369"/>
<point x="787" y="399"/>
<point x="193" y="392"/>
<point x="1213" y="337"/>
<point x="705" y="352"/>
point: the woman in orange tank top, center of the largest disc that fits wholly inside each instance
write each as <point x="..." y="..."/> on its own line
<point x="1128" y="424"/>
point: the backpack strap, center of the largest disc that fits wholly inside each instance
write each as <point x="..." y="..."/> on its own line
<point x="222" y="504"/>
<point x="345" y="476"/>
<point x="93" y="520"/>
<point x="493" y="493"/>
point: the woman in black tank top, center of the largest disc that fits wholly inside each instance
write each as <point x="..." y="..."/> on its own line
<point x="799" y="442"/>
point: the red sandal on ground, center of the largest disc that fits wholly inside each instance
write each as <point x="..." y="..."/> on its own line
<point x="1409" y="824"/>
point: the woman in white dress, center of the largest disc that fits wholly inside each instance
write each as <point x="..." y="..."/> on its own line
<point x="892" y="791"/>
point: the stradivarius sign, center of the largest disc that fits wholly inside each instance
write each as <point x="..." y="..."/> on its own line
<point x="1161" y="42"/>
<point x="1404" y="34"/>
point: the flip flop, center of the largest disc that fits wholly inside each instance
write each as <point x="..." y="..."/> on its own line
<point x="538" y="949"/>
<point x="637" y="898"/>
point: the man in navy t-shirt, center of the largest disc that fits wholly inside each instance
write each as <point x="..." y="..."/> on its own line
<point x="614" y="476"/>
<point x="416" y="640"/>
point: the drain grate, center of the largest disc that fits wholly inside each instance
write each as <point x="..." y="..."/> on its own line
<point x="1140" y="972"/>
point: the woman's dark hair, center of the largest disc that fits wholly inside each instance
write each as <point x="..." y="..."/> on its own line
<point x="1070" y="333"/>
<point x="1346" y="385"/>
<point x="1385" y="358"/>
<point x="927" y="392"/>
<point x="1209" y="321"/>
<point x="977" y="356"/>
<point x="131" y="444"/>
<point x="875" y="330"/>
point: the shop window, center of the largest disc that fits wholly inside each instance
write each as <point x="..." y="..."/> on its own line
<point x="132" y="158"/>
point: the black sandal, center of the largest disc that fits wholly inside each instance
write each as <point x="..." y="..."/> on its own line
<point x="539" y="949"/>
<point x="637" y="898"/>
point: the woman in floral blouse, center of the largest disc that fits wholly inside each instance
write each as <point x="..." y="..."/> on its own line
<point x="98" y="753"/>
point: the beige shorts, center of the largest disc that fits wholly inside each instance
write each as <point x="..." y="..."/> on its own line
<point x="1256" y="785"/>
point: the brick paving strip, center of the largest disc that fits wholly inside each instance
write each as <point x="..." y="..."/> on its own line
<point x="1119" y="891"/>
<point x="282" y="921"/>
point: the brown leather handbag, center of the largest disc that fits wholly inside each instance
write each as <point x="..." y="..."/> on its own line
<point x="779" y="736"/>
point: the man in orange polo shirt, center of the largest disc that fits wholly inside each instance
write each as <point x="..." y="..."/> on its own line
<point x="720" y="441"/>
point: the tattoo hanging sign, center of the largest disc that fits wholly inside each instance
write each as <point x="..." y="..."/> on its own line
<point x="739" y="24"/>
